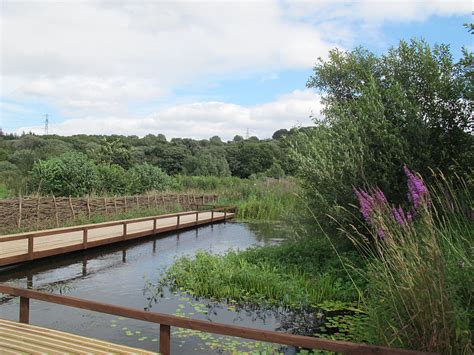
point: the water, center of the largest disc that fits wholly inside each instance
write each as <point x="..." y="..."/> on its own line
<point x="118" y="275"/>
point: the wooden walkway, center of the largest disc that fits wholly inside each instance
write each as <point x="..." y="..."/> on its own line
<point x="16" y="248"/>
<point x="19" y="338"/>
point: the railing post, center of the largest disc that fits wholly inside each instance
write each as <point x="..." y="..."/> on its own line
<point x="177" y="221"/>
<point x="24" y="310"/>
<point x="197" y="217"/>
<point x="84" y="238"/>
<point x="165" y="339"/>
<point x="225" y="213"/>
<point x="124" y="230"/>
<point x="30" y="247"/>
<point x="212" y="215"/>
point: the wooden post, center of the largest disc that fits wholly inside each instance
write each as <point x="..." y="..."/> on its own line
<point x="212" y="216"/>
<point x="225" y="213"/>
<point x="88" y="208"/>
<point x="24" y="310"/>
<point x="84" y="238"/>
<point x="56" y="211"/>
<point x="19" y="211"/>
<point x="115" y="204"/>
<point x="105" y="205"/>
<point x="154" y="226"/>
<point x="165" y="339"/>
<point x="197" y="217"/>
<point x="30" y="247"/>
<point x="124" y="230"/>
<point x="177" y="223"/>
<point x="38" y="211"/>
<point x="72" y="209"/>
<point x="125" y="204"/>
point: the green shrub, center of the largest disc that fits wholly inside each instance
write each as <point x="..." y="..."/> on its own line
<point x="112" y="179"/>
<point x="146" y="177"/>
<point x="70" y="174"/>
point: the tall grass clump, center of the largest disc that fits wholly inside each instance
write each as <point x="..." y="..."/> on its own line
<point x="420" y="271"/>
<point x="234" y="277"/>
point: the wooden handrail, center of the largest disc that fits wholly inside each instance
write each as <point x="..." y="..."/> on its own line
<point x="166" y="321"/>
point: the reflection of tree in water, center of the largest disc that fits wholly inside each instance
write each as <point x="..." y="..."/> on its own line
<point x="265" y="231"/>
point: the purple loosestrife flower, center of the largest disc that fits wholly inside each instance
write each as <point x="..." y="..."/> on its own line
<point x="369" y="203"/>
<point x="399" y="215"/>
<point x="417" y="191"/>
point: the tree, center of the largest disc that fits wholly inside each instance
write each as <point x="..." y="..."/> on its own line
<point x="406" y="106"/>
<point x="113" y="151"/>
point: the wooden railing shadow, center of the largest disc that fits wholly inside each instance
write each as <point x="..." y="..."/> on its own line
<point x="167" y="321"/>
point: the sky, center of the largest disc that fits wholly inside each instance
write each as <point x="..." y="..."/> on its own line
<point x="191" y="68"/>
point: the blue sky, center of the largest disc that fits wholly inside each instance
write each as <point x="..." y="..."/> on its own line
<point x="191" y="69"/>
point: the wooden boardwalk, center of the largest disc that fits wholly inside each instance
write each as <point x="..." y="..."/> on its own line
<point x="20" y="338"/>
<point x="16" y="248"/>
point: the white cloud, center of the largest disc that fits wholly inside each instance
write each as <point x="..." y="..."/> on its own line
<point x="200" y="119"/>
<point x="94" y="60"/>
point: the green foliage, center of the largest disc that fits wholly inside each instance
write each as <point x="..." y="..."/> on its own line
<point x="207" y="163"/>
<point x="112" y="179"/>
<point x="234" y="277"/>
<point x="146" y="177"/>
<point x="113" y="152"/>
<point x="71" y="174"/>
<point x="405" y="106"/>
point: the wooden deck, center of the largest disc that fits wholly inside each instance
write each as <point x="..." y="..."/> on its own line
<point x="16" y="248"/>
<point x="19" y="338"/>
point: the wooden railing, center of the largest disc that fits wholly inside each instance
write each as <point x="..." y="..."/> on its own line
<point x="31" y="236"/>
<point x="167" y="321"/>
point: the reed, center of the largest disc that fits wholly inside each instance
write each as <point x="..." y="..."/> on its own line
<point x="420" y="272"/>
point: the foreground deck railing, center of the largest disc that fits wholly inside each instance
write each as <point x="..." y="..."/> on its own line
<point x="167" y="321"/>
<point x="31" y="254"/>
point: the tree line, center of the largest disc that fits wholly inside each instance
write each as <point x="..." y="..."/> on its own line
<point x="82" y="164"/>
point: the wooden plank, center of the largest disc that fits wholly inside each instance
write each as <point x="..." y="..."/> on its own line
<point x="20" y="336"/>
<point x="205" y="326"/>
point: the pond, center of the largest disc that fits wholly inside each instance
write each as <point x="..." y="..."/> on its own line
<point x="119" y="274"/>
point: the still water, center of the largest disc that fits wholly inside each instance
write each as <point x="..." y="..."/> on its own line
<point x="119" y="274"/>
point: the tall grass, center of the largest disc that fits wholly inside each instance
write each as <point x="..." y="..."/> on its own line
<point x="234" y="277"/>
<point x="256" y="199"/>
<point x="420" y="271"/>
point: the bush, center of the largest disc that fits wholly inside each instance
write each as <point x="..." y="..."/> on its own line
<point x="146" y="177"/>
<point x="112" y="179"/>
<point x="70" y="174"/>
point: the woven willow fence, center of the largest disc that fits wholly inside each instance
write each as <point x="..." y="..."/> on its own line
<point x="41" y="212"/>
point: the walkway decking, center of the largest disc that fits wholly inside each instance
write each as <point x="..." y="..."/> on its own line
<point x="16" y="248"/>
<point x="19" y="338"/>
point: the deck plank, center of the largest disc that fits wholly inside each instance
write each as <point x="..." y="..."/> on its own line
<point x="29" y="339"/>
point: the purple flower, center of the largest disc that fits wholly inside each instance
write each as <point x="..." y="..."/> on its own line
<point x="417" y="191"/>
<point x="369" y="203"/>
<point x="381" y="233"/>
